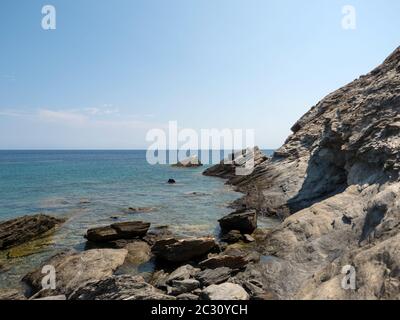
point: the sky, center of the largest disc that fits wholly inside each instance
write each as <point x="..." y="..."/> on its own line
<point x="113" y="70"/>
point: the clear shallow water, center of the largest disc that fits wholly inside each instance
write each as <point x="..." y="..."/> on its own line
<point x="91" y="187"/>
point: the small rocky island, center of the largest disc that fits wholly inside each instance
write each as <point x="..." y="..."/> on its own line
<point x="334" y="184"/>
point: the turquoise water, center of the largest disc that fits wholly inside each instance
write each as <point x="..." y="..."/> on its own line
<point x="93" y="188"/>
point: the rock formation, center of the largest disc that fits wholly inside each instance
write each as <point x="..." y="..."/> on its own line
<point x="335" y="181"/>
<point x="21" y="230"/>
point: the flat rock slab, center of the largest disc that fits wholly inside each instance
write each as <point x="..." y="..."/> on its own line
<point x="117" y="231"/>
<point x="21" y="230"/>
<point x="245" y="221"/>
<point x="214" y="276"/>
<point x="225" y="291"/>
<point x="124" y="287"/>
<point x="74" y="269"/>
<point x="174" y="250"/>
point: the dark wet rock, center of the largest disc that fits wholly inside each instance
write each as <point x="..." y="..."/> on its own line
<point x="225" y="291"/>
<point x="232" y="236"/>
<point x="134" y="210"/>
<point x="182" y="286"/>
<point x="183" y="273"/>
<point x="116" y="231"/>
<point x="74" y="269"/>
<point x="24" y="229"/>
<point x="190" y="162"/>
<point x="187" y="296"/>
<point x="123" y="287"/>
<point x="171" y="181"/>
<point x="214" y="276"/>
<point x="245" y="221"/>
<point x="174" y="250"/>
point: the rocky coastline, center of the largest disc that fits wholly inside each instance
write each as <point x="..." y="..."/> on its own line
<point x="334" y="184"/>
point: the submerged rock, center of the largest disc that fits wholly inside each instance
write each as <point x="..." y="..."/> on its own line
<point x="21" y="230"/>
<point x="116" y="231"/>
<point x="245" y="221"/>
<point x="124" y="287"/>
<point x="225" y="291"/>
<point x="74" y="269"/>
<point x="232" y="236"/>
<point x="174" y="250"/>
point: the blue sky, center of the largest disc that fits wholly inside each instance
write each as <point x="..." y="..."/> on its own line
<point x="112" y="70"/>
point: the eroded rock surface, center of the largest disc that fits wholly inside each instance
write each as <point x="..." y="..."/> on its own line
<point x="335" y="182"/>
<point x="21" y="230"/>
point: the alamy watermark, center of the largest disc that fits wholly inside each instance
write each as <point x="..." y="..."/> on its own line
<point x="173" y="145"/>
<point x="349" y="19"/>
<point x="49" y="20"/>
<point x="349" y="279"/>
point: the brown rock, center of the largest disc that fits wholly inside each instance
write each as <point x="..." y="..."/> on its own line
<point x="116" y="231"/>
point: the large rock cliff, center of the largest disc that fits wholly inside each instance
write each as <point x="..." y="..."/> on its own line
<point x="335" y="184"/>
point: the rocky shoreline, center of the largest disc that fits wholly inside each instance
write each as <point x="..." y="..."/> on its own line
<point x="335" y="186"/>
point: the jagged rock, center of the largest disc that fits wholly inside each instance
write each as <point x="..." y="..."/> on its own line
<point x="183" y="273"/>
<point x="116" y="231"/>
<point x="21" y="230"/>
<point x="233" y="259"/>
<point x="190" y="162"/>
<point x="182" y="286"/>
<point x="232" y="236"/>
<point x="335" y="181"/>
<point x="174" y="250"/>
<point x="214" y="276"/>
<point x="225" y="291"/>
<point x="234" y="166"/>
<point x="245" y="221"/>
<point x="123" y="287"/>
<point x="74" y="269"/>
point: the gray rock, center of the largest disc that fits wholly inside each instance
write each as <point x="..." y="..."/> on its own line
<point x="182" y="273"/>
<point x="21" y="230"/>
<point x="244" y="220"/>
<point x="174" y="250"/>
<point x="123" y="287"/>
<point x="187" y="296"/>
<point x="225" y="291"/>
<point x="74" y="269"/>
<point x="214" y="276"/>
<point x="116" y="231"/>
<point x="183" y="286"/>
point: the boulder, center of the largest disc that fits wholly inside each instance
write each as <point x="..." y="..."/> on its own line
<point x="124" y="287"/>
<point x="74" y="269"/>
<point x="245" y="221"/>
<point x="189" y="162"/>
<point x="171" y="181"/>
<point x="174" y="250"/>
<point x="139" y="252"/>
<point x="225" y="291"/>
<point x="183" y="273"/>
<point x="231" y="258"/>
<point x="116" y="231"/>
<point x="214" y="276"/>
<point x="232" y="236"/>
<point x="182" y="286"/>
<point x="21" y="230"/>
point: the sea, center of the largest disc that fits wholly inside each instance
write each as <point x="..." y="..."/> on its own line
<point x="94" y="188"/>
